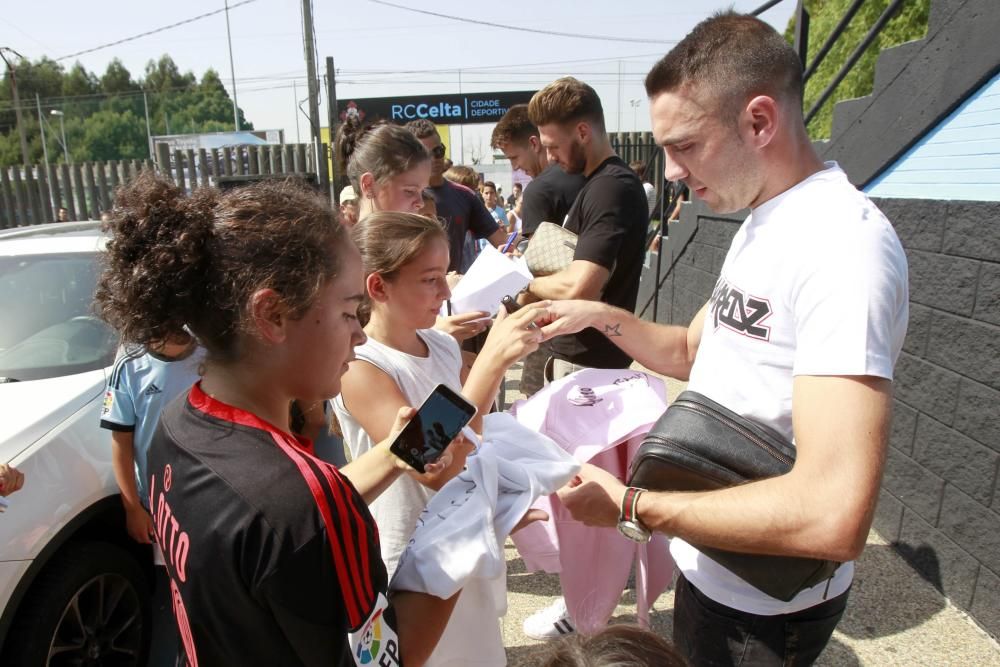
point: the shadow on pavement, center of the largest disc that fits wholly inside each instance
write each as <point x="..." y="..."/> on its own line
<point x="534" y="583"/>
<point x="887" y="596"/>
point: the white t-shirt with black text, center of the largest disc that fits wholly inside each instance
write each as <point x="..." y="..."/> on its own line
<point x="815" y="283"/>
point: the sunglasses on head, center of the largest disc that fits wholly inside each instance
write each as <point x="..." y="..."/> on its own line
<point x="438" y="151"/>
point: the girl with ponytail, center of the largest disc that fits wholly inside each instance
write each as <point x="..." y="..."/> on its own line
<point x="389" y="169"/>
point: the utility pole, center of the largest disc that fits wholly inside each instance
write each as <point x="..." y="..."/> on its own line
<point x="620" y="88"/>
<point x="17" y="101"/>
<point x="45" y="148"/>
<point x="232" y="71"/>
<point x="295" y="95"/>
<point x="461" y="128"/>
<point x="149" y="132"/>
<point x="310" y="49"/>
<point x="331" y="95"/>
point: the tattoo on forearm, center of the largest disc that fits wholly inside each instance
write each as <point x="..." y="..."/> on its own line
<point x="612" y="330"/>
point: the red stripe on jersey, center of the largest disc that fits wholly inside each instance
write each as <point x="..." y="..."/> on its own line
<point x="352" y="598"/>
<point x="293" y="448"/>
<point x="342" y="496"/>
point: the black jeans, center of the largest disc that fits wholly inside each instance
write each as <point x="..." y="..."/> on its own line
<point x="709" y="633"/>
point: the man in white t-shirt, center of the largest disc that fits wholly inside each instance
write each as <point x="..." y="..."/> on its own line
<point x="801" y="334"/>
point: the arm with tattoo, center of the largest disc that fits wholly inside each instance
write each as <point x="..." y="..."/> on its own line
<point x="665" y="349"/>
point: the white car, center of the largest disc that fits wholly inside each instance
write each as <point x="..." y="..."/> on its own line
<point x="74" y="589"/>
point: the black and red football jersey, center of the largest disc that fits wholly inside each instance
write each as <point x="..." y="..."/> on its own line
<point x="272" y="554"/>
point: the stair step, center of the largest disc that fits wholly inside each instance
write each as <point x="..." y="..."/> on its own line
<point x="892" y="61"/>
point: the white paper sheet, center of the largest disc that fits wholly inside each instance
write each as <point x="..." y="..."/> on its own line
<point x="490" y="278"/>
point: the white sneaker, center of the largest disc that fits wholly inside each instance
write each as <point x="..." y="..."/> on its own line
<point x="549" y="623"/>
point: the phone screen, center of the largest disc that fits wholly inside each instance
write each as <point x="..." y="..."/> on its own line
<point x="438" y="421"/>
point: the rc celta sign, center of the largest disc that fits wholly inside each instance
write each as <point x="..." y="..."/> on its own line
<point x="445" y="109"/>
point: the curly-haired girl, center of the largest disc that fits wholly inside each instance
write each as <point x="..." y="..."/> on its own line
<point x="272" y="554"/>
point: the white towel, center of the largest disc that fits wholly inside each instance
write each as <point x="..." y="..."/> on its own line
<point x="460" y="535"/>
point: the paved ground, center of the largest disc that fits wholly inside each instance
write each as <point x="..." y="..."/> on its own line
<point x="893" y="617"/>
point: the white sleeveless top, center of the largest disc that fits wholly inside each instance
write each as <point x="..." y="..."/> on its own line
<point x="472" y="637"/>
<point x="397" y="509"/>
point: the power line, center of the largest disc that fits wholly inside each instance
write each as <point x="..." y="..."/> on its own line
<point x="479" y="22"/>
<point x="509" y="68"/>
<point x="452" y="70"/>
<point x="153" y="32"/>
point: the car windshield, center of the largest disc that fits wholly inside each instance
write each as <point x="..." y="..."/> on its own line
<point x="49" y="328"/>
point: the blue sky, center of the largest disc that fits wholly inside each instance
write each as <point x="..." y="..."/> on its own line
<point x="380" y="50"/>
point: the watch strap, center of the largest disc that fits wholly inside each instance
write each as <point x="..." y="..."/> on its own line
<point x="630" y="502"/>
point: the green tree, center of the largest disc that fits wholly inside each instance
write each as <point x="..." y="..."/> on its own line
<point x="108" y="135"/>
<point x="105" y="117"/>
<point x="909" y="24"/>
<point x="79" y="82"/>
<point x="117" y="79"/>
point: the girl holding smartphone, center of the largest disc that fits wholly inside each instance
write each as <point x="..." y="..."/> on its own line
<point x="272" y="554"/>
<point x="405" y="260"/>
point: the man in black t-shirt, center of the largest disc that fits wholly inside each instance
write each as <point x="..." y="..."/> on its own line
<point x="460" y="207"/>
<point x="609" y="217"/>
<point x="548" y="197"/>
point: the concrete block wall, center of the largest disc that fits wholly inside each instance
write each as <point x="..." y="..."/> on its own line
<point x="940" y="498"/>
<point x="940" y="501"/>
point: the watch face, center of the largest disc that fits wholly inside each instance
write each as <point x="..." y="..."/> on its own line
<point x="633" y="531"/>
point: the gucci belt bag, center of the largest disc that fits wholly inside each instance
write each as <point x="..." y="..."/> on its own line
<point x="699" y="445"/>
<point x="550" y="249"/>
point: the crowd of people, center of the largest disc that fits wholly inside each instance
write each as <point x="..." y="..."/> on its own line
<point x="256" y="320"/>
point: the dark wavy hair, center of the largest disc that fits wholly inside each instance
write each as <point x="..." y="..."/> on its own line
<point x="177" y="263"/>
<point x="381" y="148"/>
<point x="390" y="240"/>
<point x="422" y="128"/>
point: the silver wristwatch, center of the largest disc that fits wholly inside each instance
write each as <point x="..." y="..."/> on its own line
<point x="628" y="521"/>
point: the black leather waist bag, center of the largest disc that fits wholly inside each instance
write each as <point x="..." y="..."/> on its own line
<point x="699" y="445"/>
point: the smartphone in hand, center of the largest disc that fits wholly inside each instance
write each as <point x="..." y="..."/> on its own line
<point x="438" y="421"/>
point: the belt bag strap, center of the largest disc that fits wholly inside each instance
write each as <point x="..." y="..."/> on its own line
<point x="699" y="445"/>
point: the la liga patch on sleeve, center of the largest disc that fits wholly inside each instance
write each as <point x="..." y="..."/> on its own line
<point x="376" y="643"/>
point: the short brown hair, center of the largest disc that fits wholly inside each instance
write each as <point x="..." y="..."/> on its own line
<point x="463" y="175"/>
<point x="514" y="128"/>
<point x="566" y="100"/>
<point x="735" y="57"/>
<point x="422" y="128"/>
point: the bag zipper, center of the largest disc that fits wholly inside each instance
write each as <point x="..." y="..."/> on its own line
<point x="675" y="445"/>
<point x="749" y="435"/>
